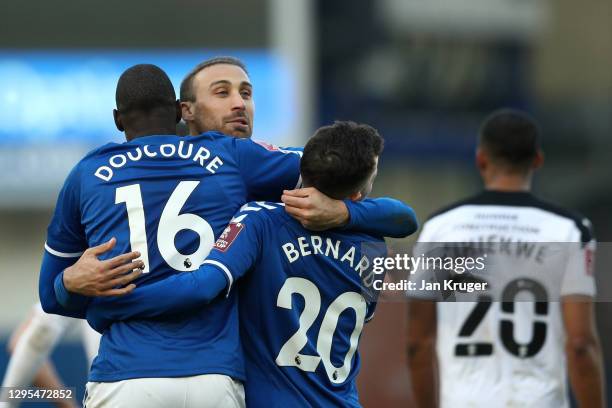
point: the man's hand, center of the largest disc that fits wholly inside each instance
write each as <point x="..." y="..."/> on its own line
<point x="90" y="276"/>
<point x="314" y="210"/>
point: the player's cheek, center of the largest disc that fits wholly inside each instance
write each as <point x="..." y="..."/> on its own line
<point x="251" y="110"/>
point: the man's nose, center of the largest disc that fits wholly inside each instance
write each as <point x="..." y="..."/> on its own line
<point x="237" y="101"/>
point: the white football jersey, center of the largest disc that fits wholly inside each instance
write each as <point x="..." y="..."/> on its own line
<point x="510" y="353"/>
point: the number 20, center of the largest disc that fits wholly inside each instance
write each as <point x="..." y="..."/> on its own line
<point x="289" y="355"/>
<point x="521" y="350"/>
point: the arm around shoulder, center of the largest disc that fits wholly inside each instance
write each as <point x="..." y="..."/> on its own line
<point x="385" y="217"/>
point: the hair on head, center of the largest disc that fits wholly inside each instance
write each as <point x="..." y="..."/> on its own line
<point x="339" y="159"/>
<point x="187" y="93"/>
<point x="144" y="87"/>
<point x="511" y="138"/>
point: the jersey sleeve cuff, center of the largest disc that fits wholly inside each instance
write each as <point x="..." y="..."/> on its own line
<point x="68" y="300"/>
<point x="351" y="216"/>
<point x="226" y="273"/>
<point x="592" y="293"/>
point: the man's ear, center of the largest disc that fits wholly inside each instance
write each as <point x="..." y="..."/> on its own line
<point x="186" y="109"/>
<point x="481" y="159"/>
<point x="178" y="111"/>
<point x="117" y="119"/>
<point x="538" y="161"/>
<point x="355" y="196"/>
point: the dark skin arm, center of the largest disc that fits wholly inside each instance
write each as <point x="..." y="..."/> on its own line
<point x="421" y="351"/>
<point x="583" y="350"/>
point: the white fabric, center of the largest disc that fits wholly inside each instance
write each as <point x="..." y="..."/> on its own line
<point x="35" y="344"/>
<point x="62" y="254"/>
<point x="33" y="347"/>
<point x="503" y="379"/>
<point x="202" y="391"/>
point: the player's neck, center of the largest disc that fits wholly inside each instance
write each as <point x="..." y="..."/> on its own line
<point x="508" y="183"/>
<point x="131" y="134"/>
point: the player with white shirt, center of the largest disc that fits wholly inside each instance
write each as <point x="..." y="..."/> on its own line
<point x="32" y="343"/>
<point x="507" y="350"/>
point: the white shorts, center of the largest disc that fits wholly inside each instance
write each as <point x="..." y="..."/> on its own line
<point x="201" y="391"/>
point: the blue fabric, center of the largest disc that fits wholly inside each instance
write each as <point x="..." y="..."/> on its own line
<point x="150" y="193"/>
<point x="292" y="279"/>
<point x="177" y="294"/>
<point x="262" y="253"/>
<point x="52" y="267"/>
<point x="171" y="185"/>
<point x="381" y="217"/>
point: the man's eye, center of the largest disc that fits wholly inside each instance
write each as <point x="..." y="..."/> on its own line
<point x="246" y="94"/>
<point x="221" y="92"/>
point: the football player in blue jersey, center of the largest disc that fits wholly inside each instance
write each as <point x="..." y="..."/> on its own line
<point x="165" y="198"/>
<point x="304" y="295"/>
<point x="217" y="94"/>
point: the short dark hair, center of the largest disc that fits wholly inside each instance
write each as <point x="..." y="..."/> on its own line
<point x="187" y="93"/>
<point x="144" y="87"/>
<point x="339" y="159"/>
<point x="511" y="138"/>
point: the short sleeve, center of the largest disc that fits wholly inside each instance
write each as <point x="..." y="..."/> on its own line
<point x="579" y="278"/>
<point x="267" y="170"/>
<point x="65" y="234"/>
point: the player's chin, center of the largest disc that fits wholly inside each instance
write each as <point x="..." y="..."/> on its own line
<point x="238" y="130"/>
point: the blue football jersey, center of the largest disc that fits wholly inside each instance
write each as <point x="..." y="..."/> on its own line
<point x="168" y="197"/>
<point x="304" y="298"/>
